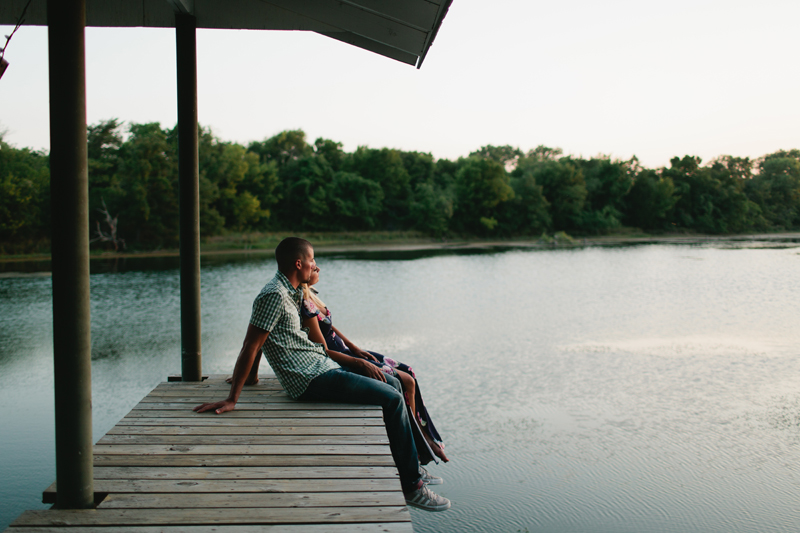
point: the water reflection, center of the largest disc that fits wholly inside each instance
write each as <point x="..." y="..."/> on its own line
<point x="643" y="389"/>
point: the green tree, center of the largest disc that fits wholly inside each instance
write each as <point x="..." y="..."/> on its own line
<point x="650" y="201"/>
<point x="356" y="202"/>
<point x="262" y="181"/>
<point x="694" y="207"/>
<point x="482" y="185"/>
<point x="562" y="184"/>
<point x="103" y="141"/>
<point x="306" y="202"/>
<point x="776" y="188"/>
<point x="289" y="145"/>
<point x="544" y="153"/>
<point x="24" y="198"/>
<point x="711" y="199"/>
<point x="106" y="195"/>
<point x="506" y="155"/>
<point x="420" y="167"/>
<point x="227" y="167"/>
<point x="431" y="209"/>
<point x="331" y="151"/>
<point x="444" y="174"/>
<point x="738" y="213"/>
<point x="149" y="177"/>
<point x="433" y="199"/>
<point x="385" y="167"/>
<point x="607" y="183"/>
<point x="527" y="213"/>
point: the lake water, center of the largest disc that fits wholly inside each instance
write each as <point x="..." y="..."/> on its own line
<point x="639" y="389"/>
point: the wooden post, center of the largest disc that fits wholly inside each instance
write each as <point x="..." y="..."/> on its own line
<point x="189" y="177"/>
<point x="69" y="192"/>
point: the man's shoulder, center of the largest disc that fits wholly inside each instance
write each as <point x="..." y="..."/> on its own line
<point x="273" y="286"/>
<point x="271" y="305"/>
<point x="273" y="294"/>
<point x="266" y="296"/>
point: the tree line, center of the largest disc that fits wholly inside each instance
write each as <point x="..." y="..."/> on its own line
<point x="285" y="183"/>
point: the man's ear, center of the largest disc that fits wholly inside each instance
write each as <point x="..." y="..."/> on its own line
<point x="298" y="264"/>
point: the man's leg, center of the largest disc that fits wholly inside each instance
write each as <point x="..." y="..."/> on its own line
<point x="341" y="386"/>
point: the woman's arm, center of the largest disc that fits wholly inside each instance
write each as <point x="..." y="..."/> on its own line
<point x="314" y="332"/>
<point x="353" y="348"/>
<point x="359" y="365"/>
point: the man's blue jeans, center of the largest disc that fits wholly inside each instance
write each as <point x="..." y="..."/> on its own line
<point x="344" y="386"/>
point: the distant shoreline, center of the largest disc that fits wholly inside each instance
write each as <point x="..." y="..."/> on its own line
<point x="412" y="245"/>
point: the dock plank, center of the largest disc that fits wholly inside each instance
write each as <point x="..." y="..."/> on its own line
<point x="243" y="460"/>
<point x="190" y="501"/>
<point x="261" y="413"/>
<point x="215" y="516"/>
<point x="391" y="527"/>
<point x="164" y="486"/>
<point x="259" y="421"/>
<point x="243" y="449"/>
<point x="244" y="439"/>
<point x="250" y="405"/>
<point x="215" y="387"/>
<point x="245" y="430"/>
<point x="244" y="472"/>
<point x="156" y="394"/>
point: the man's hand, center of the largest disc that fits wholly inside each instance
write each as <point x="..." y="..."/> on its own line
<point x="358" y="352"/>
<point x="218" y="407"/>
<point x="368" y="369"/>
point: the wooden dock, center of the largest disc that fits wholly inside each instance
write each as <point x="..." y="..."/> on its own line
<point x="272" y="465"/>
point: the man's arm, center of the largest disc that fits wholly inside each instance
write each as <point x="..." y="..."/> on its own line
<point x="253" y="341"/>
<point x="252" y="378"/>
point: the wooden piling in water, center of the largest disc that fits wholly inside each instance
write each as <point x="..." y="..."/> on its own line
<point x="189" y="195"/>
<point x="69" y="190"/>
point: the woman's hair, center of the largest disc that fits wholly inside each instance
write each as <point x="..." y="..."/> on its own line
<point x="311" y="294"/>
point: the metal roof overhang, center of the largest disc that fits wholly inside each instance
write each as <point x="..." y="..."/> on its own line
<point x="399" y="29"/>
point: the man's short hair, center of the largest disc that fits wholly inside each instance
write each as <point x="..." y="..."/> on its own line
<point x="290" y="250"/>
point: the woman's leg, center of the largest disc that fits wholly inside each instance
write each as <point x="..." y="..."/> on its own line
<point x="423" y="417"/>
<point x="410" y="389"/>
<point x="414" y="400"/>
<point x="406" y="379"/>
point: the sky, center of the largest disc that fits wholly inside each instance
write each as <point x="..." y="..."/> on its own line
<point x="617" y="78"/>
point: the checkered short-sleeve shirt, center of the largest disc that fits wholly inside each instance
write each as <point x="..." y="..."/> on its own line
<point x="294" y="358"/>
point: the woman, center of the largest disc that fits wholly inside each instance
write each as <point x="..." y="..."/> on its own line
<point x="317" y="318"/>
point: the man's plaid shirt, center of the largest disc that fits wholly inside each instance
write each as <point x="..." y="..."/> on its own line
<point x="294" y="358"/>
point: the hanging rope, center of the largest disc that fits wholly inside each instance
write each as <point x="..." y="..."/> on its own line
<point x="20" y="20"/>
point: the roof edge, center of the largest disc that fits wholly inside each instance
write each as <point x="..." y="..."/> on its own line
<point x="443" y="9"/>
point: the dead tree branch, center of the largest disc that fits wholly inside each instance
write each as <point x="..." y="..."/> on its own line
<point x="111" y="236"/>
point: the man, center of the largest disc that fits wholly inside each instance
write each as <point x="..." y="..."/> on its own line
<point x="306" y="371"/>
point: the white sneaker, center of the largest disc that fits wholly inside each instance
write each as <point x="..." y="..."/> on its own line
<point x="428" y="478"/>
<point x="423" y="498"/>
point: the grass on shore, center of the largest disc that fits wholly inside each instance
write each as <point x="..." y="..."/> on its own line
<point x="265" y="242"/>
<point x="255" y="242"/>
<point x="268" y="241"/>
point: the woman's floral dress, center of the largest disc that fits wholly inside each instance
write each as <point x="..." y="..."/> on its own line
<point x="429" y="444"/>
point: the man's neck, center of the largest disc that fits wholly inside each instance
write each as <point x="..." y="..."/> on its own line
<point x="293" y="278"/>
